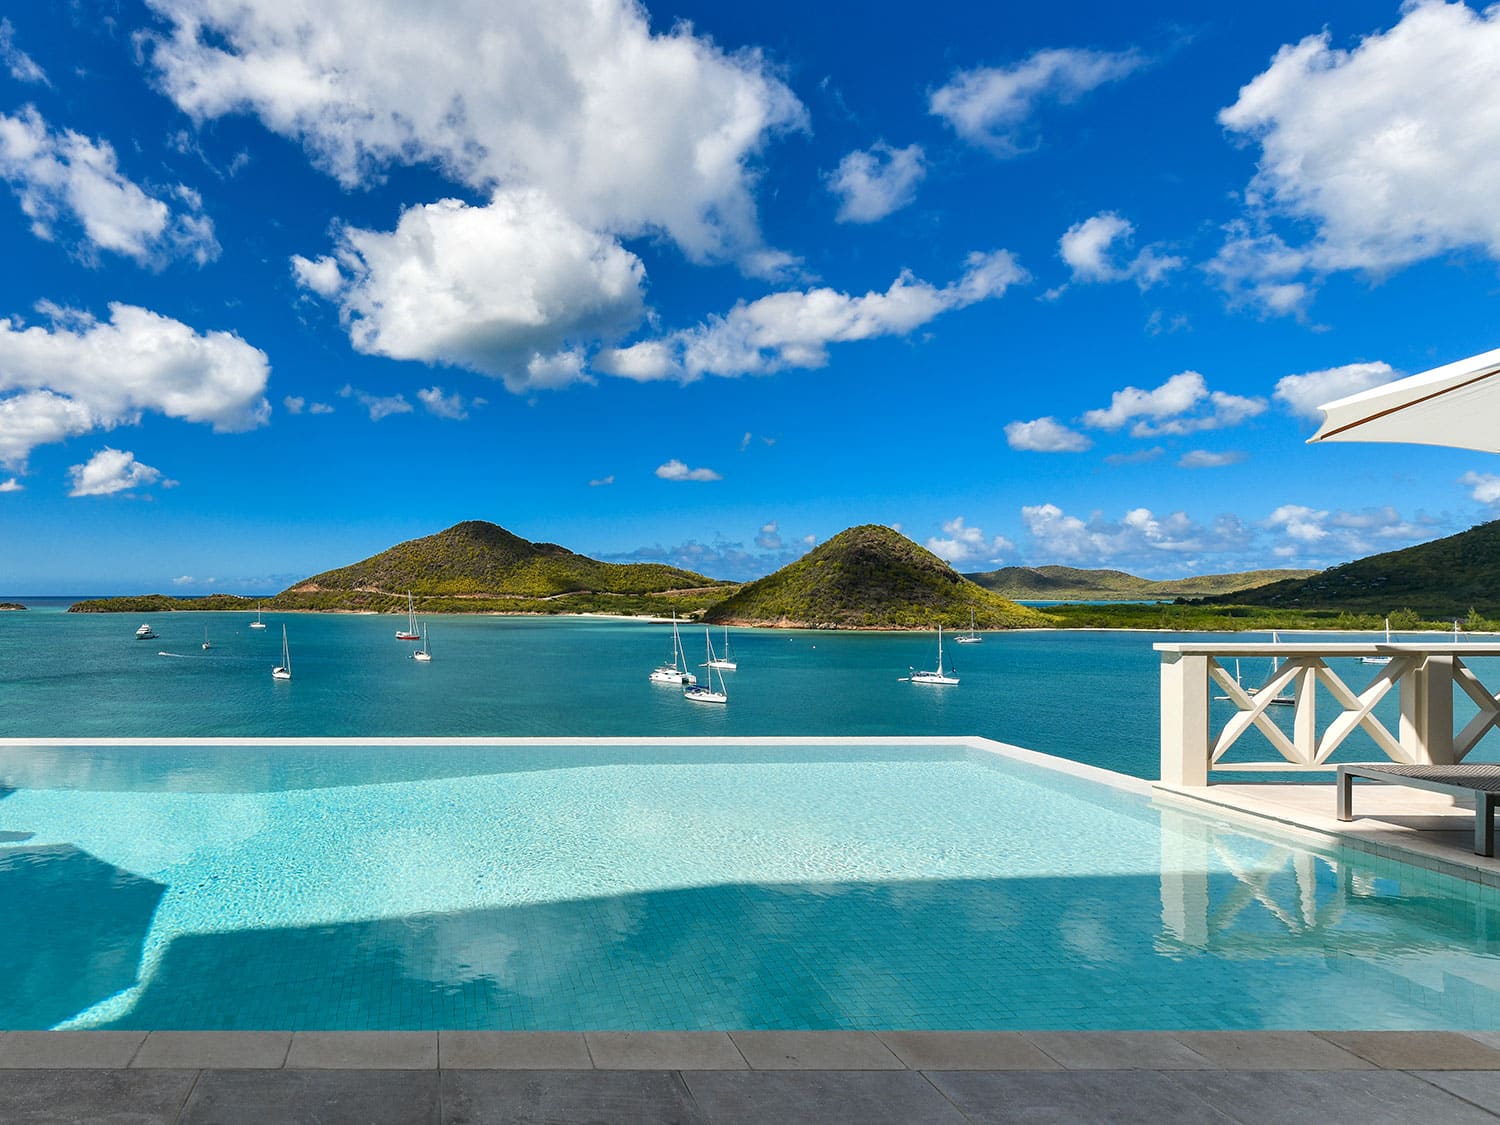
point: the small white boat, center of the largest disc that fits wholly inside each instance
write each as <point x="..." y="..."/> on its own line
<point x="144" y="633"/>
<point x="284" y="670"/>
<point x="1380" y="659"/>
<point x="675" y="672"/>
<point x="206" y="645"/>
<point x="257" y="623"/>
<point x="422" y="654"/>
<point x="705" y="693"/>
<point x="1277" y="700"/>
<point x="940" y="676"/>
<point x="971" y="638"/>
<point x="410" y="632"/>
<point x="722" y="662"/>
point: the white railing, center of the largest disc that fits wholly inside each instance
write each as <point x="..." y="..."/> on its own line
<point x="1425" y="677"/>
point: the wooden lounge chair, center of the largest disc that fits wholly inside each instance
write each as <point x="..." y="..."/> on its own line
<point x="1476" y="782"/>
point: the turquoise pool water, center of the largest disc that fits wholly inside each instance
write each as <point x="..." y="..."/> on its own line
<point x="690" y="887"/>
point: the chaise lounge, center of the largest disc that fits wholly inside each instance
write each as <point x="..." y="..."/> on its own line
<point x="1477" y="782"/>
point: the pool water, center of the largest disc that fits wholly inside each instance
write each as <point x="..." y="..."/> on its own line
<point x="661" y="887"/>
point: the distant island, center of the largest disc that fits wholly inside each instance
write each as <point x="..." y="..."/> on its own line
<point x="1066" y="583"/>
<point x="11" y="605"/>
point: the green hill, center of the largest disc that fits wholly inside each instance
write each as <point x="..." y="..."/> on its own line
<point x="1443" y="579"/>
<point x="870" y="577"/>
<point x="1071" y="583"/>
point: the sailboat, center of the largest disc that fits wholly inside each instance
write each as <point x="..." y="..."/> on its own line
<point x="206" y="645"/>
<point x="675" y="672"/>
<point x="1380" y="659"/>
<point x="940" y="676"/>
<point x="721" y="662"/>
<point x="284" y="670"/>
<point x="422" y="654"/>
<point x="410" y="632"/>
<point x="1280" y="700"/>
<point x="972" y="638"/>
<point x="257" y="623"/>
<point x="704" y="693"/>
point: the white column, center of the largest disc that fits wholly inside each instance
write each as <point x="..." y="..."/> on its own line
<point x="1427" y="711"/>
<point x="1185" y="745"/>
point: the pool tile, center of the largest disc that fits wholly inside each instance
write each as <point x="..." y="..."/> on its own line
<point x="386" y="1050"/>
<point x="1482" y="1087"/>
<point x="222" y="1050"/>
<point x="1417" y="1050"/>
<point x="1075" y="1098"/>
<point x="1348" y="1097"/>
<point x="814" y="1050"/>
<point x="513" y="1050"/>
<point x="1271" y="1050"/>
<point x="567" y="1096"/>
<point x="294" y="1097"/>
<point x="967" y="1050"/>
<point x="1117" y="1050"/>
<point x="824" y="1096"/>
<point x="663" y="1050"/>
<point x="58" y="1049"/>
<point x="45" y="1097"/>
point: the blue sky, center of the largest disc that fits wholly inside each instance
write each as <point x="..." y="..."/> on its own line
<point x="710" y="283"/>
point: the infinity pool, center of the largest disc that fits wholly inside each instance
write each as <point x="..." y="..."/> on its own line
<point x="953" y="884"/>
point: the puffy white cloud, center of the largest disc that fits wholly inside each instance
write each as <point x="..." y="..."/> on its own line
<point x="1138" y="535"/>
<point x="993" y="106"/>
<point x="1182" y="405"/>
<point x="794" y="328"/>
<point x="21" y="65"/>
<point x="109" y="471"/>
<point x="293" y="404"/>
<point x="1045" y="435"/>
<point x="602" y="481"/>
<point x="769" y="538"/>
<point x="676" y="470"/>
<point x="1204" y="459"/>
<point x="1485" y="487"/>
<point x="872" y="183"/>
<point x="444" y="406"/>
<point x="1303" y="532"/>
<point x="962" y="544"/>
<point x="1390" y="150"/>
<point x="629" y="131"/>
<point x="183" y="580"/>
<point x="378" y="406"/>
<point x="1303" y="394"/>
<point x="12" y="485"/>
<point x="503" y="289"/>
<point x="320" y="408"/>
<point x="64" y="178"/>
<point x="81" y="374"/>
<point x="1088" y="249"/>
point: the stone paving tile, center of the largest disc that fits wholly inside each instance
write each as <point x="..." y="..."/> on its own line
<point x="821" y="1097"/>
<point x="513" y="1050"/>
<point x="1271" y="1050"/>
<point x="1488" y="1038"/>
<point x="45" y="1097"/>
<point x="1077" y="1097"/>
<point x="566" y="1097"/>
<point x="967" y="1050"/>
<point x="377" y="1050"/>
<point x="1417" y="1050"/>
<point x="1482" y="1087"/>
<point x="663" y="1050"/>
<point x="1343" y="1097"/>
<point x="1117" y="1050"/>
<point x="814" y="1050"/>
<point x="46" y="1049"/>
<point x="224" y="1050"/>
<point x="313" y="1097"/>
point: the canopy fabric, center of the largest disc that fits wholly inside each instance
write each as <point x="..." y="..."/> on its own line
<point x="1457" y="404"/>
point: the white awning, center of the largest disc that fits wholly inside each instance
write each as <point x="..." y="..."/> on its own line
<point x="1457" y="404"/>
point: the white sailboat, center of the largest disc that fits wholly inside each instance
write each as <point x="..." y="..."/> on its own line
<point x="675" y="672"/>
<point x="422" y="653"/>
<point x="705" y="693"/>
<point x="284" y="670"/>
<point x="1380" y="659"/>
<point x="257" y="623"/>
<point x="940" y="676"/>
<point x="722" y="662"/>
<point x="206" y="645"/>
<point x="972" y="638"/>
<point x="1282" y="700"/>
<point x="410" y="632"/>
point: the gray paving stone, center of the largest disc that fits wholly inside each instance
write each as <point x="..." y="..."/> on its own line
<point x="377" y="1050"/>
<point x="1271" y="1050"/>
<point x="1076" y="1097"/>
<point x="314" y="1097"/>
<point x="824" y="1097"/>
<point x="222" y="1050"/>
<point x="46" y="1049"/>
<point x="513" y="1050"/>
<point x="1482" y="1087"/>
<point x="1417" y="1050"/>
<point x="967" y="1050"/>
<point x="1117" y="1050"/>
<point x="1344" y="1097"/>
<point x="814" y="1050"/>
<point x="566" y="1097"/>
<point x="663" y="1050"/>
<point x="125" y="1097"/>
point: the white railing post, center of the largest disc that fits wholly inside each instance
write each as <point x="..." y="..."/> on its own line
<point x="1185" y="744"/>
<point x="1427" y="711"/>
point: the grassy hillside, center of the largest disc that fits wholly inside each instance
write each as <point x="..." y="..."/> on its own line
<point x="870" y="577"/>
<point x="1066" y="582"/>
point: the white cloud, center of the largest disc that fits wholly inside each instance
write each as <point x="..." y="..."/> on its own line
<point x="627" y="131"/>
<point x="109" y="471"/>
<point x="1045" y="435"/>
<point x="676" y="470"/>
<point x="769" y="538"/>
<point x="21" y="66"/>
<point x="183" y="580"/>
<point x="872" y="183"/>
<point x="993" y="106"/>
<point x="602" y="481"/>
<point x="1389" y="149"/>
<point x="1182" y="405"/>
<point x="444" y="406"/>
<point x="1088" y="249"/>
<point x="1485" y="487"/>
<point x="320" y="408"/>
<point x="1303" y="532"/>
<point x="1138" y="534"/>
<point x="379" y="406"/>
<point x="965" y="544"/>
<point x="1204" y="459"/>
<point x="505" y="289"/>
<point x="294" y="404"/>
<point x="81" y="374"/>
<point x="794" y="328"/>
<point x="63" y="179"/>
<point x="11" y="485"/>
<point x="1303" y="394"/>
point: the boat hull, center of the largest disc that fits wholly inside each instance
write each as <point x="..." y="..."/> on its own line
<point x="281" y="674"/>
<point x="673" y="676"/>
<point x="703" y="695"/>
<point x="933" y="679"/>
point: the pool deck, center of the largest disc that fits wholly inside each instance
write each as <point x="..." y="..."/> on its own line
<point x="403" y="1078"/>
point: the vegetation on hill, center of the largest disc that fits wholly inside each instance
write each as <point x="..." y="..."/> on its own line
<point x="870" y="577"/>
<point x="1066" y="582"/>
<point x="1195" y="617"/>
<point x="11" y="605"/>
